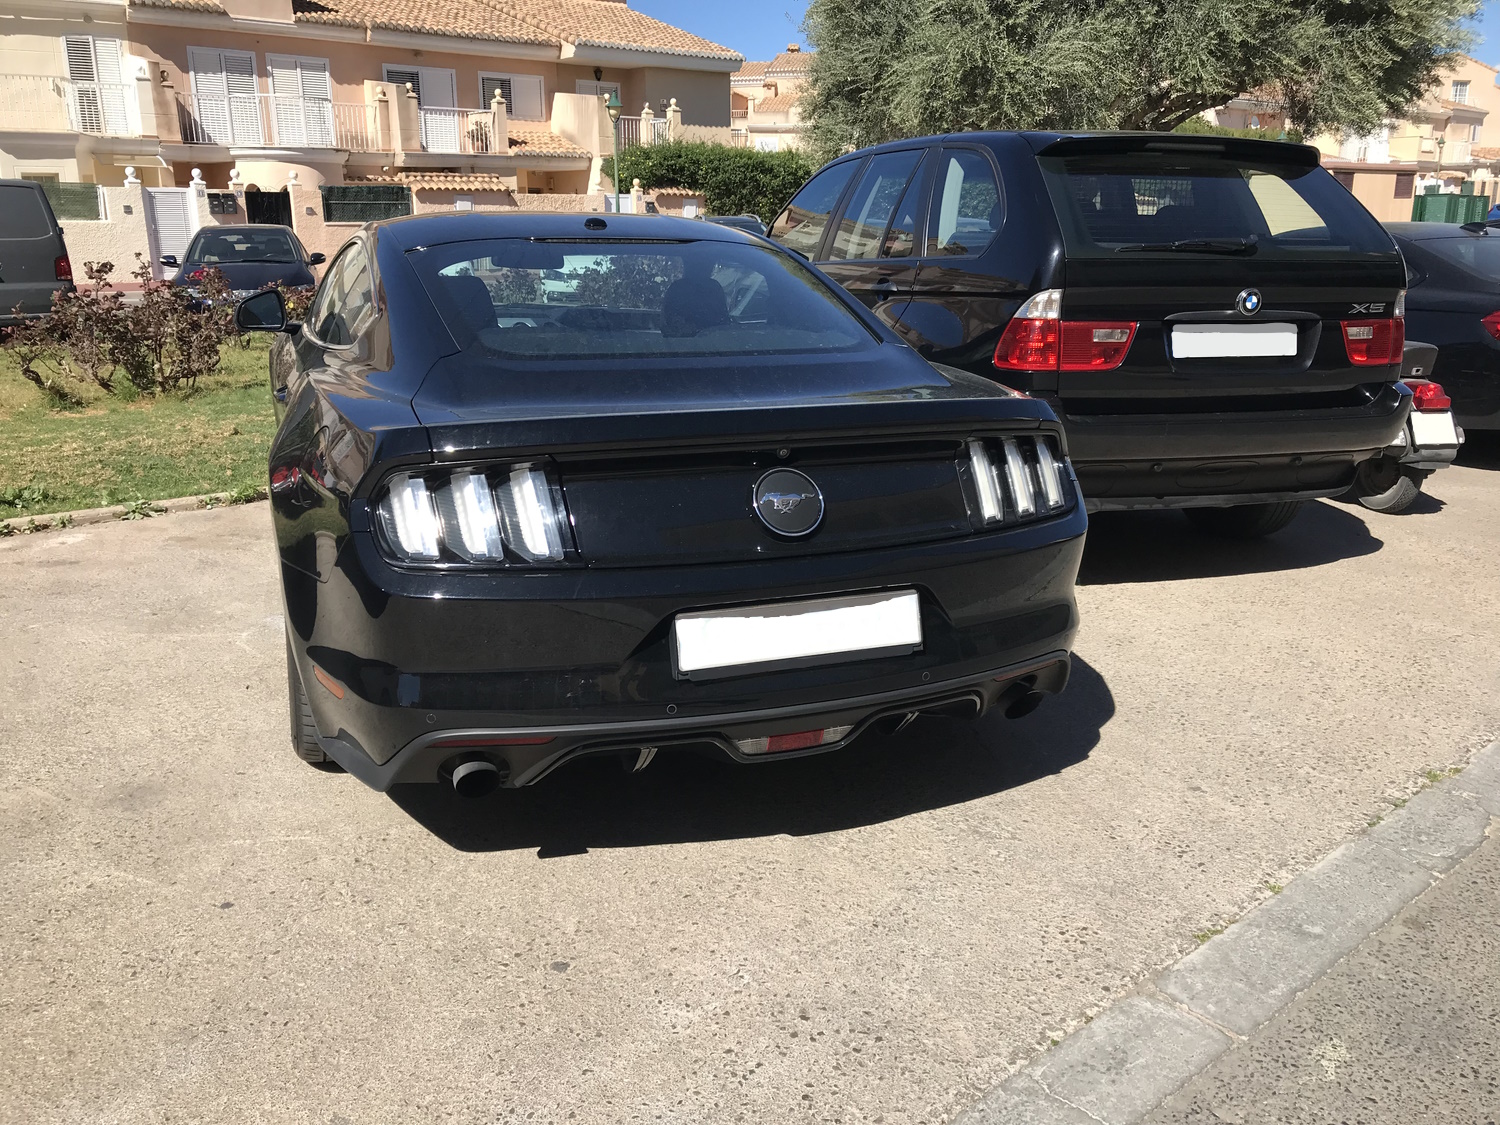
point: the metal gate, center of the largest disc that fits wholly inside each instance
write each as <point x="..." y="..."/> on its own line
<point x="171" y="219"/>
<point x="269" y="207"/>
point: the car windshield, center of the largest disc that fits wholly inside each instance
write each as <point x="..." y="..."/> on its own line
<point x="1477" y="253"/>
<point x="576" y="299"/>
<point x="217" y="247"/>
<point x="1204" y="203"/>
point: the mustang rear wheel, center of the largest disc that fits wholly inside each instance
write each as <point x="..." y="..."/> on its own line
<point x="304" y="730"/>
<point x="1244" y="521"/>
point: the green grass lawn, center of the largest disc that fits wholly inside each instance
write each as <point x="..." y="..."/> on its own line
<point x="116" y="449"/>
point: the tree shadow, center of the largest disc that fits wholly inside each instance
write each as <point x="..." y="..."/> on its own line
<point x="1161" y="546"/>
<point x="684" y="798"/>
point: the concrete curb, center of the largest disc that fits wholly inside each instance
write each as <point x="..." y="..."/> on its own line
<point x="26" y="525"/>
<point x="1137" y="1053"/>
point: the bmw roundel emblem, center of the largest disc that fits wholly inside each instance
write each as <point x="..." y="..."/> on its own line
<point x="788" y="502"/>
<point x="1248" y="302"/>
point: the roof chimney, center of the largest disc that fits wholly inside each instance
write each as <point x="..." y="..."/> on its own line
<point x="793" y="48"/>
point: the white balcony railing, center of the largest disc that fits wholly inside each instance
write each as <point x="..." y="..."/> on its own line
<point x="631" y="133"/>
<point x="457" y="130"/>
<point x="38" y="103"/>
<point x="265" y="120"/>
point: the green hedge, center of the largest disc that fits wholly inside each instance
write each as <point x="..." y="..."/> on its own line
<point x="734" y="181"/>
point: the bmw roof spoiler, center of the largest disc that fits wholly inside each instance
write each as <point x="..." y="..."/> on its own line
<point x="1241" y="148"/>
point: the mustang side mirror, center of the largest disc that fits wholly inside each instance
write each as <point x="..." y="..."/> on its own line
<point x="316" y="259"/>
<point x="262" y="312"/>
<point x="168" y="260"/>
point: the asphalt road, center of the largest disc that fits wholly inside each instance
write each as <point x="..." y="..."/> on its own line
<point x="1404" y="1031"/>
<point x="198" y="927"/>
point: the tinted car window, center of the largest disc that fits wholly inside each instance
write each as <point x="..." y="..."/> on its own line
<point x="870" y="207"/>
<point x="21" y="212"/>
<point x="800" y="227"/>
<point x="901" y="239"/>
<point x="270" y="245"/>
<point x="966" y="208"/>
<point x="1479" y="254"/>
<point x="580" y="300"/>
<point x="1109" y="200"/>
<point x="344" y="300"/>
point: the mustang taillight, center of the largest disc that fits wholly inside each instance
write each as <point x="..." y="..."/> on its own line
<point x="1375" y="343"/>
<point x="1017" y="479"/>
<point x="475" y="516"/>
<point x="1491" y="324"/>
<point x="1038" y="339"/>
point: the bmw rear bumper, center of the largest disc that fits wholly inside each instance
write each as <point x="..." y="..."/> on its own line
<point x="576" y="662"/>
<point x="1186" y="460"/>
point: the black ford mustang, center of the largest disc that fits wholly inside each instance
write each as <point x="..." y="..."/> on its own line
<point x="547" y="486"/>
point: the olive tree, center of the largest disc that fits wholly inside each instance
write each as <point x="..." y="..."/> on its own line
<point x="892" y="68"/>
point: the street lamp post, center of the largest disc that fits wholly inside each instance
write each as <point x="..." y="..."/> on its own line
<point x="612" y="107"/>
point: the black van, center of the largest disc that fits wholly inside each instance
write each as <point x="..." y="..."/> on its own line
<point x="1216" y="321"/>
<point x="33" y="260"/>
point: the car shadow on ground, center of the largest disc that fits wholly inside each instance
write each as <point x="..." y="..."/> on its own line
<point x="682" y="798"/>
<point x="1161" y="546"/>
<point x="1425" y="504"/>
<point x="1480" y="450"/>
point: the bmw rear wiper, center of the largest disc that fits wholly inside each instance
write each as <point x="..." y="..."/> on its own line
<point x="1195" y="246"/>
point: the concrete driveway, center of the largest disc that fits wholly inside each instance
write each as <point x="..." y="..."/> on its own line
<point x="198" y="927"/>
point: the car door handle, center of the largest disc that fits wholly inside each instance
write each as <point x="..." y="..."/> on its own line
<point x="884" y="289"/>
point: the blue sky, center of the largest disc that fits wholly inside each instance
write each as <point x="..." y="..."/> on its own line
<point x="759" y="28"/>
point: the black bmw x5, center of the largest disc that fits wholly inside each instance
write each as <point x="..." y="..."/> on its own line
<point x="547" y="486"/>
<point x="1217" y="322"/>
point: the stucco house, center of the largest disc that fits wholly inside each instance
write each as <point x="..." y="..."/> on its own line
<point x="154" y="117"/>
<point x="764" y="100"/>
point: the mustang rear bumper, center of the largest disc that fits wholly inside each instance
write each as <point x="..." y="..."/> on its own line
<point x="578" y="661"/>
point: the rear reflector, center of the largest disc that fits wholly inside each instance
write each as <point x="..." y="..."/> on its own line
<point x="1429" y="396"/>
<point x="498" y="740"/>
<point x="801" y="740"/>
<point x="1375" y="343"/>
<point x="333" y="686"/>
<point x="63" y="268"/>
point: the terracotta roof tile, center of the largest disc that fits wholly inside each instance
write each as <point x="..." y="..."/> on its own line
<point x="752" y="72"/>
<point x="781" y="103"/>
<point x="543" y="142"/>
<point x="609" y="23"/>
<point x="790" y="62"/>
<point x="467" y="19"/>
<point x="596" y="23"/>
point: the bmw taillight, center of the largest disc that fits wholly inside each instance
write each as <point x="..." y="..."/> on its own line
<point x="1016" y="479"/>
<point x="1492" y="324"/>
<point x="471" y="515"/>
<point x="1429" y="396"/>
<point x="1039" y="339"/>
<point x="63" y="268"/>
<point x="1375" y="343"/>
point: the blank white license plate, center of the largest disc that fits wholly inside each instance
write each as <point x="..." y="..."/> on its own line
<point x="1433" y="428"/>
<point x="823" y="630"/>
<point x="1222" y="341"/>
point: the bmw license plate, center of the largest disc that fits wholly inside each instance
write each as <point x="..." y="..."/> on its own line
<point x="1433" y="429"/>
<point x="776" y="635"/>
<point x="1225" y="341"/>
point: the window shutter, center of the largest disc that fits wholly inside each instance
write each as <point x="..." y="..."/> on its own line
<point x="244" y="96"/>
<point x="402" y="78"/>
<point x="315" y="80"/>
<point x="527" y="103"/>
<point x="487" y="88"/>
<point x="80" y="53"/>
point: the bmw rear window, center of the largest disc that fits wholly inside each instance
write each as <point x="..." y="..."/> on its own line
<point x="544" y="299"/>
<point x="1145" y="200"/>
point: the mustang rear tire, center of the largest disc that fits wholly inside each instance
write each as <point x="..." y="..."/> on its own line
<point x="1244" y="521"/>
<point x="304" y="730"/>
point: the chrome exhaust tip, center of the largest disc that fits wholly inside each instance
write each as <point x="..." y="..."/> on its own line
<point x="476" y="777"/>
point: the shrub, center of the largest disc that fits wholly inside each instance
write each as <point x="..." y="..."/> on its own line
<point x="734" y="181"/>
<point x="164" y="342"/>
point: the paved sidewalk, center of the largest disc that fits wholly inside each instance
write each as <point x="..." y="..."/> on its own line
<point x="1404" y="1031"/>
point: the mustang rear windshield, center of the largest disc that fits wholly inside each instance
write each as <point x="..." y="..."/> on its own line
<point x="1144" y="201"/>
<point x="1478" y="253"/>
<point x="539" y="299"/>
